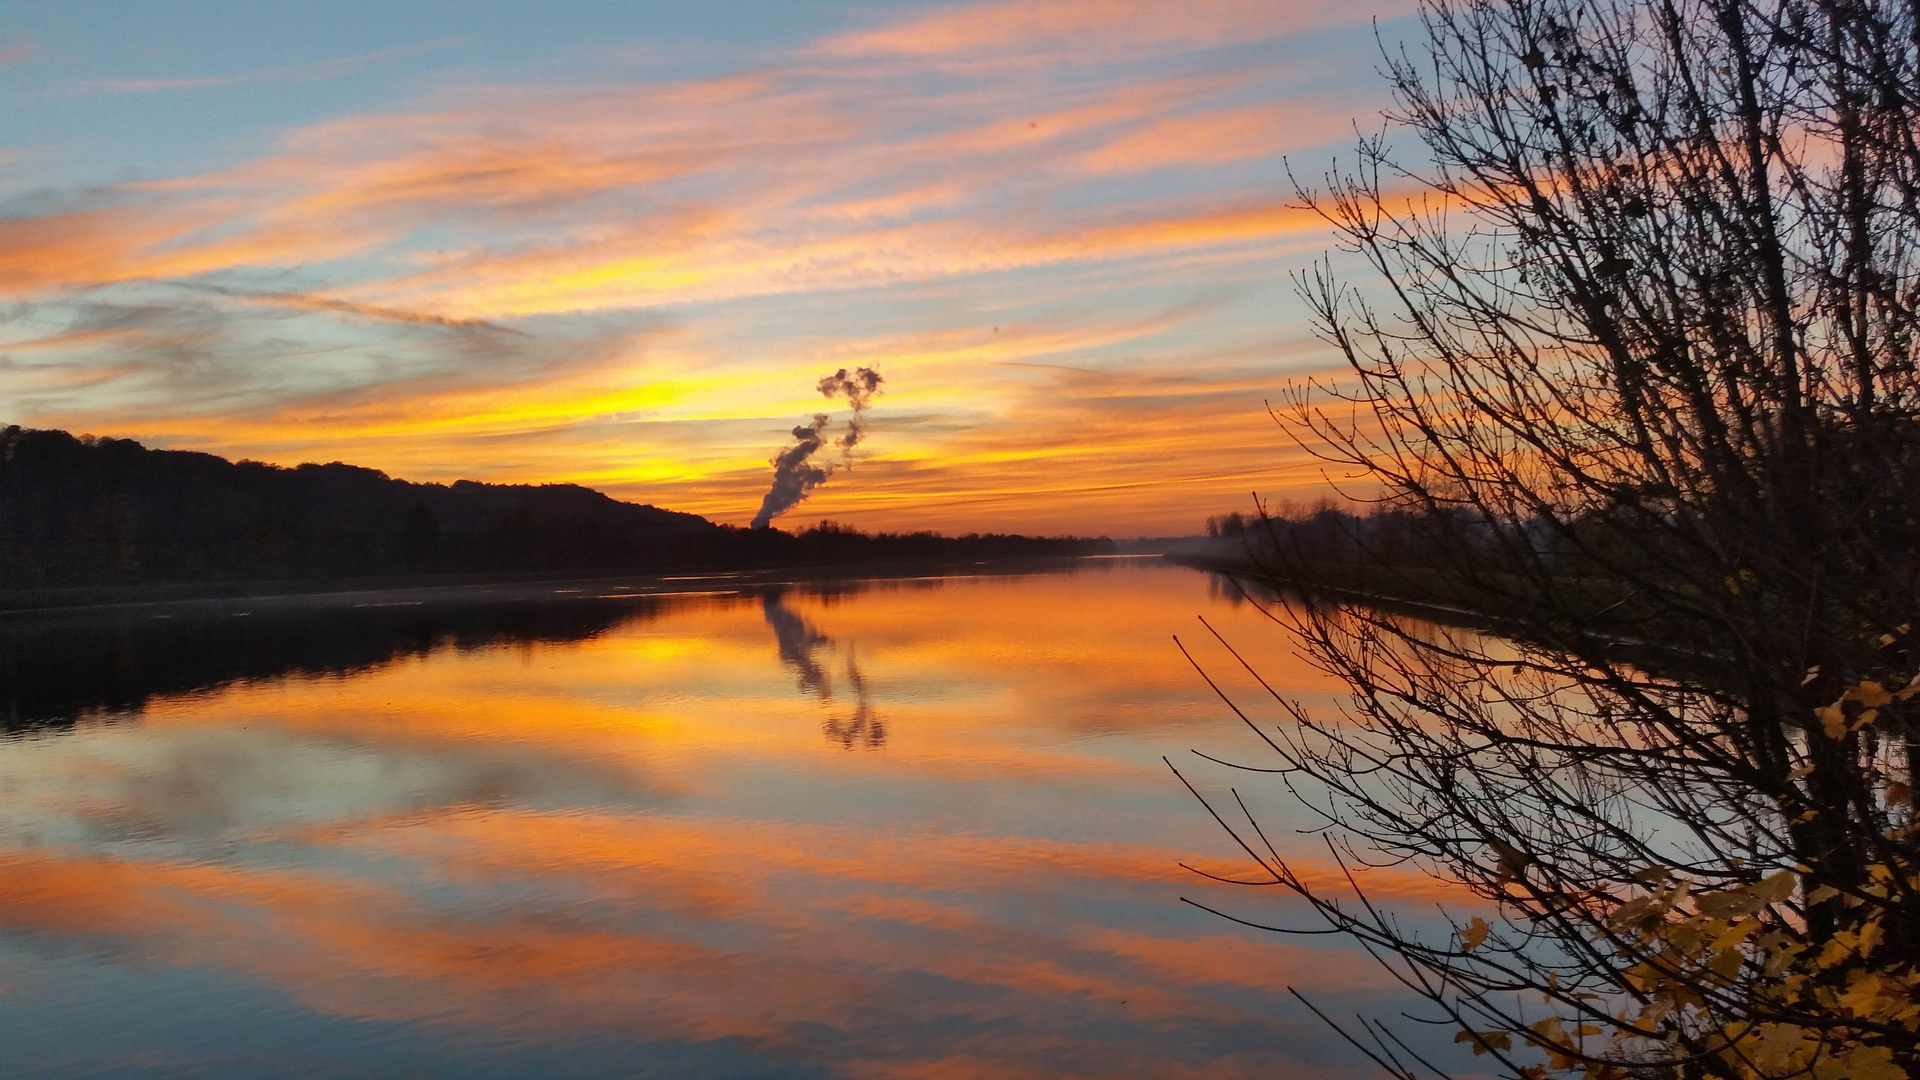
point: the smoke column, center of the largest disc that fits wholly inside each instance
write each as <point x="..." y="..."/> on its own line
<point x="794" y="474"/>
<point x="858" y="388"/>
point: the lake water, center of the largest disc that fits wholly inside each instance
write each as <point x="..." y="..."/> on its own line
<point x="892" y="828"/>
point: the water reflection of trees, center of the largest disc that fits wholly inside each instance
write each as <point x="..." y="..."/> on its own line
<point x="57" y="672"/>
<point x="57" y="669"/>
<point x="1235" y="590"/>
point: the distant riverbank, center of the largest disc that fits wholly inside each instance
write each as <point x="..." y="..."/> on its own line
<point x="1345" y="584"/>
<point x="312" y="594"/>
<point x="87" y="521"/>
<point x="58" y="663"/>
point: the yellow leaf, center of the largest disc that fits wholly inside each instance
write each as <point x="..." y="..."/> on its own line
<point x="1475" y="933"/>
<point x="1483" y="1041"/>
<point x="1871" y="935"/>
<point x="1863" y="995"/>
<point x="1727" y="964"/>
<point x="1868" y="693"/>
<point x="1771" y="1045"/>
<point x="1872" y="1063"/>
<point x="1836" y="949"/>
<point x="1728" y="903"/>
<point x="1833" y="720"/>
<point x="1735" y="935"/>
<point x="1775" y="887"/>
<point x="1635" y="912"/>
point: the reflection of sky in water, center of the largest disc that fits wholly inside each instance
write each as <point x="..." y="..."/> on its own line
<point x="915" y="829"/>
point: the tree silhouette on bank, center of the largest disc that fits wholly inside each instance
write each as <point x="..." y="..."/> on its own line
<point x="1640" y="365"/>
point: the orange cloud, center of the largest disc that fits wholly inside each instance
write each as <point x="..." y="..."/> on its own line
<point x="19" y="50"/>
<point x="713" y="258"/>
<point x="87" y="247"/>
<point x="1220" y="136"/>
<point x="1094" y="26"/>
<point x="91" y="248"/>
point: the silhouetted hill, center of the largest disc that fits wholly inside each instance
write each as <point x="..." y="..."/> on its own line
<point x="81" y="511"/>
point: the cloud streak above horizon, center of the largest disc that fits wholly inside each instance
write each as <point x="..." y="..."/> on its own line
<point x="313" y="71"/>
<point x="1064" y="227"/>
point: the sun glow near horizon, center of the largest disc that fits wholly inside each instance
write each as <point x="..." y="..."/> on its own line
<point x="1062" y="231"/>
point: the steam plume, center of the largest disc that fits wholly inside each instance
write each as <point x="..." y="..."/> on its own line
<point x="794" y="474"/>
<point x="858" y="388"/>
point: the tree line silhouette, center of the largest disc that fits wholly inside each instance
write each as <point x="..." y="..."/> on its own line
<point x="83" y="511"/>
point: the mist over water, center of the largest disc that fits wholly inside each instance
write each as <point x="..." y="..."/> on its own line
<point x="916" y="827"/>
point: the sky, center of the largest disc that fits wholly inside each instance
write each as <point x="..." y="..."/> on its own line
<point x="618" y="243"/>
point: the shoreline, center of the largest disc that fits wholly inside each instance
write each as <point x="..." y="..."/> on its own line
<point x="210" y="598"/>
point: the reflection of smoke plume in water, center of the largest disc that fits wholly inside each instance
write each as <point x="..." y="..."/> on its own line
<point x="794" y="474"/>
<point x="797" y="640"/>
<point x="864" y="728"/>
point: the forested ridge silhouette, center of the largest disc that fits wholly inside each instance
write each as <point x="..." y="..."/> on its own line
<point x="78" y="511"/>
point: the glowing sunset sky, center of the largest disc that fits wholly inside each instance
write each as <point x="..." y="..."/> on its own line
<point x="616" y="243"/>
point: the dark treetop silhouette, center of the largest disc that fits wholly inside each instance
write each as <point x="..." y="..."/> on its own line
<point x="1645" y="376"/>
<point x="110" y="512"/>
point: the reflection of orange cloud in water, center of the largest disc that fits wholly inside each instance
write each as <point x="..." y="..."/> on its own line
<point x="745" y="934"/>
<point x="979" y="678"/>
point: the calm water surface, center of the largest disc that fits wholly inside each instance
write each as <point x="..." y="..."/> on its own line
<point x="907" y="828"/>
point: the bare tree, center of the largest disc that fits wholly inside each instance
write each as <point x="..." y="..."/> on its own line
<point x="1640" y="358"/>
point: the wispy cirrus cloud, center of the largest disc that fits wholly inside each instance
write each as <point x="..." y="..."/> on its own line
<point x="1096" y="29"/>
<point x="302" y="302"/>
<point x="18" y="50"/>
<point x="1216" y="137"/>
<point x="313" y="71"/>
